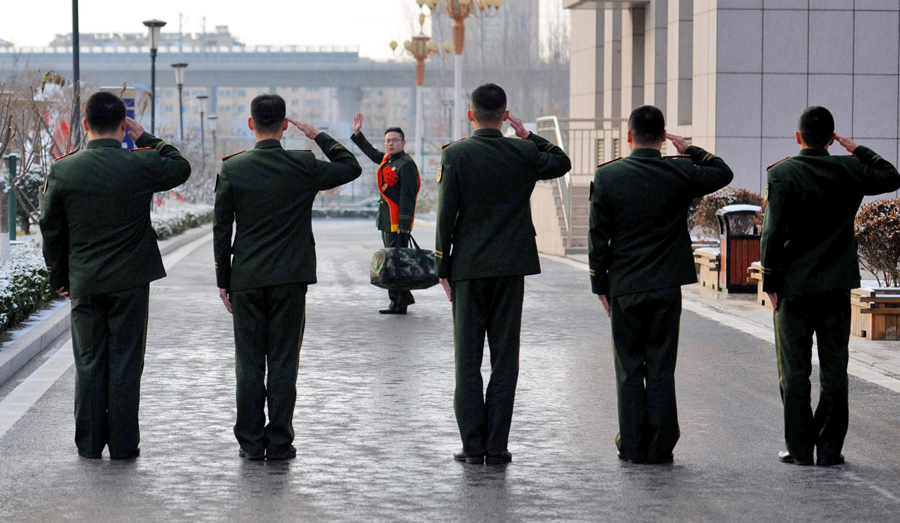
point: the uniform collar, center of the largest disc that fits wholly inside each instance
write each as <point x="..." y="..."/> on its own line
<point x="814" y="152"/>
<point x="397" y="156"/>
<point x="646" y="153"/>
<point x="104" y="142"/>
<point x="267" y="144"/>
<point x="488" y="131"/>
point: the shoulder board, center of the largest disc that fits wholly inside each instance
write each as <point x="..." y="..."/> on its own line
<point x="297" y="151"/>
<point x="235" y="154"/>
<point x="678" y="156"/>
<point x="142" y="149"/>
<point x="451" y="143"/>
<point x="67" y="154"/>
<point x="776" y="163"/>
<point x="611" y="161"/>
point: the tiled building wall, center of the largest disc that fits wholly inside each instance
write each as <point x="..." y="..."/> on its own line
<point x="777" y="57"/>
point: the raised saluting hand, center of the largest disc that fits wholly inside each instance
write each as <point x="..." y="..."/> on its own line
<point x="680" y="143"/>
<point x="357" y="123"/>
<point x="519" y="127"/>
<point x="310" y="131"/>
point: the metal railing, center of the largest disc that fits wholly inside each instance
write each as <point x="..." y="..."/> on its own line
<point x="563" y="183"/>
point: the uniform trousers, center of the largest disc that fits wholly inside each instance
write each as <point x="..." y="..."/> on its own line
<point x="109" y="337"/>
<point x="645" y="329"/>
<point x="491" y="306"/>
<point x="398" y="298"/>
<point x="268" y="333"/>
<point x="796" y="319"/>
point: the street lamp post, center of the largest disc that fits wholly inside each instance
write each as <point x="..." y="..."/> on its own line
<point x="202" y="98"/>
<point x="76" y="76"/>
<point x="213" y="123"/>
<point x="459" y="10"/>
<point x="179" y="81"/>
<point x="421" y="47"/>
<point x="155" y="26"/>
<point x="12" y="158"/>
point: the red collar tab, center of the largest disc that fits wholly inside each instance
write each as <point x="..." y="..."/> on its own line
<point x="451" y="143"/>
<point x="231" y="155"/>
<point x="67" y="154"/>
<point x="611" y="161"/>
<point x="776" y="163"/>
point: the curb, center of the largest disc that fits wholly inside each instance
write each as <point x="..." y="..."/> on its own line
<point x="19" y="352"/>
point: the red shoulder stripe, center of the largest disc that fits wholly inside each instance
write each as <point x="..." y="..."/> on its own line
<point x="235" y="154"/>
<point x="678" y="156"/>
<point x="67" y="154"/>
<point x="776" y="163"/>
<point x="451" y="143"/>
<point x="142" y="149"/>
<point x="611" y="161"/>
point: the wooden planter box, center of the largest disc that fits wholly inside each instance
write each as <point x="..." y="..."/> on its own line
<point x="875" y="313"/>
<point x="707" y="260"/>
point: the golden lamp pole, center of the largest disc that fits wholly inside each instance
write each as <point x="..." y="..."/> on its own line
<point x="420" y="48"/>
<point x="459" y="10"/>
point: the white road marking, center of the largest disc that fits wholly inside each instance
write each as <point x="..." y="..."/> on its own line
<point x="18" y="402"/>
<point x="855" y="368"/>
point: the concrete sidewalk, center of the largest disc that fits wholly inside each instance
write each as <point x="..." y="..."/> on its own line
<point x="882" y="355"/>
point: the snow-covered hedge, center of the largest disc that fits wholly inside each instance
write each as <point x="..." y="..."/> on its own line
<point x="174" y="221"/>
<point x="24" y="284"/>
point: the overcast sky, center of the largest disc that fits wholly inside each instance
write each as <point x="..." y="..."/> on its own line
<point x="369" y="24"/>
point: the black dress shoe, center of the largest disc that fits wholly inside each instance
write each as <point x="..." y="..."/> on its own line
<point x="497" y="458"/>
<point x="664" y="461"/>
<point x="291" y="454"/>
<point x="471" y="459"/>
<point x="89" y="455"/>
<point x="630" y="460"/>
<point x="251" y="457"/>
<point x="134" y="454"/>
<point x="785" y="457"/>
<point x="393" y="310"/>
<point x="830" y="462"/>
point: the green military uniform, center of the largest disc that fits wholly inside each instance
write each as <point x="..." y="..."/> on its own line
<point x="640" y="255"/>
<point x="99" y="244"/>
<point x="269" y="192"/>
<point x="809" y="259"/>
<point x="397" y="208"/>
<point x="485" y="246"/>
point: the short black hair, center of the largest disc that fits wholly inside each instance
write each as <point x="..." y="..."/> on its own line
<point x="104" y="112"/>
<point x="647" y="125"/>
<point x="268" y="112"/>
<point x="395" y="130"/>
<point x="816" y="127"/>
<point x="489" y="104"/>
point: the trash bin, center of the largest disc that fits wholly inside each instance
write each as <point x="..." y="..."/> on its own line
<point x="739" y="237"/>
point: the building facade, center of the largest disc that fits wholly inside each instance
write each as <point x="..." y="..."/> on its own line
<point x="734" y="75"/>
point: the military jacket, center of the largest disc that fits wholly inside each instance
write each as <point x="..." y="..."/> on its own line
<point x="96" y="215"/>
<point x="269" y="192"/>
<point x="398" y="182"/>
<point x="638" y="238"/>
<point x="484" y="226"/>
<point x="808" y="244"/>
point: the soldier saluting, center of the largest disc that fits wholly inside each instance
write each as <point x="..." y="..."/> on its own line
<point x="101" y="252"/>
<point x="640" y="256"/>
<point x="485" y="247"/>
<point x="810" y="263"/>
<point x="398" y="182"/>
<point x="269" y="192"/>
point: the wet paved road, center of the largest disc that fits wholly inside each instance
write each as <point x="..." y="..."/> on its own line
<point x="375" y="427"/>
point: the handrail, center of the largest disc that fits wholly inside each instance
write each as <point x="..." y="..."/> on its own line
<point x="563" y="183"/>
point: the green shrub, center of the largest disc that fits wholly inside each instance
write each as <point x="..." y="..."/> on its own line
<point x="24" y="285"/>
<point x="172" y="222"/>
